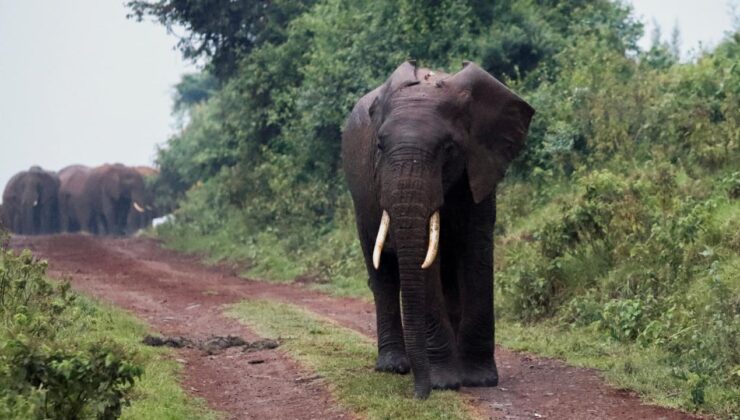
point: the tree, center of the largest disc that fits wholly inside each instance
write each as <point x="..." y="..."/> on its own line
<point x="221" y="31"/>
<point x="192" y="89"/>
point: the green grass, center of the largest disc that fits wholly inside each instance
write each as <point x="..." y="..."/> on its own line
<point x="157" y="394"/>
<point x="346" y="359"/>
<point x="623" y="365"/>
<point x="335" y="267"/>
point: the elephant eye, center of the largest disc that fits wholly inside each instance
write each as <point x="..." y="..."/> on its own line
<point x="448" y="146"/>
<point x="381" y="142"/>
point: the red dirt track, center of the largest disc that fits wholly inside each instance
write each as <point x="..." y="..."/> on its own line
<point x="176" y="295"/>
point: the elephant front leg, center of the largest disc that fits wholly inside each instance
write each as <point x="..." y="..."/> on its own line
<point x="476" y="331"/>
<point x="108" y="218"/>
<point x="386" y="289"/>
<point x="441" y="348"/>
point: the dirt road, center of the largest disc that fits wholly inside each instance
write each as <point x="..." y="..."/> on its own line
<point x="176" y="295"/>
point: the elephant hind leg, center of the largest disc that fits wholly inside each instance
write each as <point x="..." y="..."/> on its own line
<point x="476" y="331"/>
<point x="449" y="272"/>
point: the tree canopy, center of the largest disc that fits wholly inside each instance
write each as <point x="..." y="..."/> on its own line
<point x="221" y="31"/>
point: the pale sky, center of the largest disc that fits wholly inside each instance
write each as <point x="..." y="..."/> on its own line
<point x="79" y="83"/>
<point x="701" y="22"/>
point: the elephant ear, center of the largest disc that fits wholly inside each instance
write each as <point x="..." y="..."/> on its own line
<point x="498" y="124"/>
<point x="403" y="76"/>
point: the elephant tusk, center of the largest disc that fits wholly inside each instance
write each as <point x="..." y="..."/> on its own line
<point x="138" y="207"/>
<point x="36" y="203"/>
<point x="433" y="241"/>
<point x="385" y="221"/>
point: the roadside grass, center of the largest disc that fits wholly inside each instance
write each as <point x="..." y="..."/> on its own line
<point x="646" y="370"/>
<point x="157" y="394"/>
<point x="254" y="256"/>
<point x="346" y="359"/>
<point x="334" y="265"/>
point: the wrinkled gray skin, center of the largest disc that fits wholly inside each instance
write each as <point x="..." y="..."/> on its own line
<point x="30" y="205"/>
<point x="75" y="212"/>
<point x="423" y="142"/>
<point x="111" y="191"/>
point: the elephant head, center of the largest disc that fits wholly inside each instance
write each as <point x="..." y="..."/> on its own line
<point x="125" y="190"/>
<point x="31" y="202"/>
<point x="138" y="219"/>
<point x="433" y="131"/>
<point x="115" y="191"/>
<point x="74" y="207"/>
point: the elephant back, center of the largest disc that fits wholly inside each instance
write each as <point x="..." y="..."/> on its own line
<point x="73" y="178"/>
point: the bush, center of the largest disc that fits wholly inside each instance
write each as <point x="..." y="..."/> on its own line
<point x="623" y="318"/>
<point x="41" y="377"/>
<point x="92" y="382"/>
<point x="647" y="257"/>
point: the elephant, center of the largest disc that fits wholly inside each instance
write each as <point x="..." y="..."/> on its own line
<point x="75" y="211"/>
<point x="30" y="203"/>
<point x="138" y="220"/>
<point x="422" y="156"/>
<point x="113" y="191"/>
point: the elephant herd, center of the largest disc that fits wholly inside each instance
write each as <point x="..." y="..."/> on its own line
<point x="111" y="199"/>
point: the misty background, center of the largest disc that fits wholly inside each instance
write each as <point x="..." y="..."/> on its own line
<point x="81" y="83"/>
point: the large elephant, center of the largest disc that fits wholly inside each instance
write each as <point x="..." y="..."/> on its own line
<point x="422" y="155"/>
<point x="113" y="191"/>
<point x="75" y="211"/>
<point x="30" y="204"/>
<point x="142" y="220"/>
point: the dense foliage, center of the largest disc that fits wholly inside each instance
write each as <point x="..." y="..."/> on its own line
<point x="221" y="30"/>
<point x="44" y="373"/>
<point x="620" y="219"/>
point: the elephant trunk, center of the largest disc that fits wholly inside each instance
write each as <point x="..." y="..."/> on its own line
<point x="410" y="240"/>
<point x="31" y="212"/>
<point x="411" y="206"/>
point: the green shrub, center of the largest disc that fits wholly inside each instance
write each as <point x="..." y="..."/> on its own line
<point x="41" y="377"/>
<point x="623" y="318"/>
<point x="92" y="382"/>
<point x="530" y="285"/>
<point x="582" y="310"/>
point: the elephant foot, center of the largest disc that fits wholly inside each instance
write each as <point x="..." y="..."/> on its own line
<point x="393" y="361"/>
<point x="480" y="374"/>
<point x="445" y="377"/>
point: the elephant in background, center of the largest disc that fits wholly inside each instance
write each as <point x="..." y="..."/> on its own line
<point x="75" y="211"/>
<point x="30" y="202"/>
<point x="113" y="191"/>
<point x="142" y="220"/>
<point x="422" y="155"/>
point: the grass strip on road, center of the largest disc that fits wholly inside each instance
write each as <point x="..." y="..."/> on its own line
<point x="346" y="359"/>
